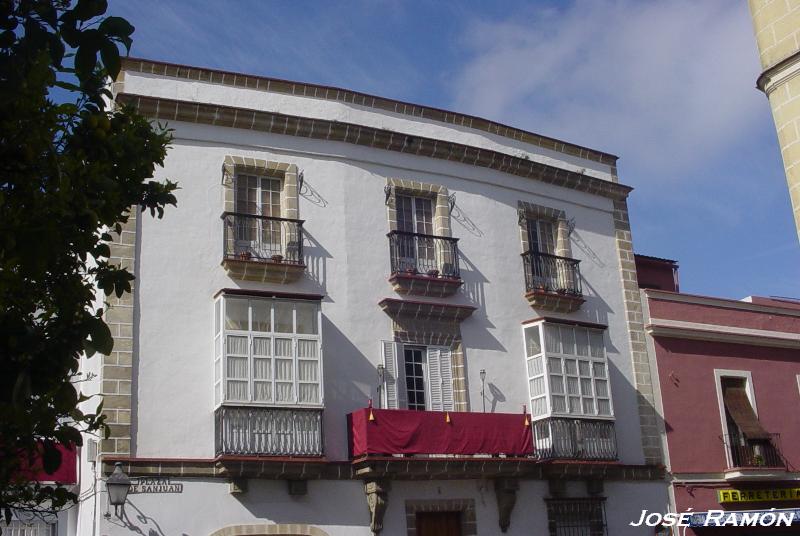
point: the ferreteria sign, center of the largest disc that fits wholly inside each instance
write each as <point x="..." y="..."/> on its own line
<point x="758" y="495"/>
<point x="154" y="485"/>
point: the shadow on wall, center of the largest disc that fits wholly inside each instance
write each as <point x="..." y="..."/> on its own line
<point x="459" y="216"/>
<point x="316" y="259"/>
<point x="308" y="193"/>
<point x="139" y="523"/>
<point x="597" y="310"/>
<point x="587" y="250"/>
<point x="496" y="396"/>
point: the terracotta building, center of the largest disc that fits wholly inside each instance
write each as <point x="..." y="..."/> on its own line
<point x="727" y="379"/>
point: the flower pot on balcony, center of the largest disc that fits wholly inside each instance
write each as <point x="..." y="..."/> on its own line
<point x="433" y="273"/>
<point x="277" y="258"/>
<point x="411" y="271"/>
<point x="244" y="255"/>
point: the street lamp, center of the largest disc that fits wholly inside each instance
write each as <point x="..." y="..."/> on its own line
<point x="118" y="485"/>
<point x="483" y="388"/>
<point x="381" y="379"/>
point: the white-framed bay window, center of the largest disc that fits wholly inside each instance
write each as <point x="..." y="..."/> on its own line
<point x="267" y="351"/>
<point x="567" y="371"/>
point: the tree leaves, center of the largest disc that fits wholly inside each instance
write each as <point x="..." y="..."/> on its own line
<point x="72" y="172"/>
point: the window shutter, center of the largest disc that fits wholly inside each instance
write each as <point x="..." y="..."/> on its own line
<point x="435" y="378"/>
<point x="738" y="405"/>
<point x="440" y="378"/>
<point x="446" y="368"/>
<point x="394" y="374"/>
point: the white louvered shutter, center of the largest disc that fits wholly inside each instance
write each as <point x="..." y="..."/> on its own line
<point x="446" y="373"/>
<point x="434" y="379"/>
<point x="393" y="373"/>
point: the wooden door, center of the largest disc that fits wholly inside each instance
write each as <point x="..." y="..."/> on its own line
<point x="438" y="523"/>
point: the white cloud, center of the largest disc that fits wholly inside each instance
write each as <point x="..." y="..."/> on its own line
<point x="664" y="85"/>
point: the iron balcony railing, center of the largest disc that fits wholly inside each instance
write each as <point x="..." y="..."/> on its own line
<point x="254" y="431"/>
<point x="424" y="254"/>
<point x="551" y="273"/>
<point x="262" y="238"/>
<point x="574" y="439"/>
<point x="753" y="453"/>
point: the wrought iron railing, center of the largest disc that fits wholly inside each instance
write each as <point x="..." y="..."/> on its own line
<point x="551" y="273"/>
<point x="576" y="517"/>
<point x="253" y="431"/>
<point x="753" y="453"/>
<point x="574" y="439"/>
<point x="262" y="238"/>
<point x="424" y="254"/>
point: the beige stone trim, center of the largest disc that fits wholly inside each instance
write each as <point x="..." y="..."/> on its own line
<point x="284" y="171"/>
<point x="469" y="523"/>
<point x="530" y="211"/>
<point x="268" y="529"/>
<point x="642" y="376"/>
<point x="436" y="192"/>
<point x="306" y="127"/>
<point x="116" y="373"/>
<point x="361" y="99"/>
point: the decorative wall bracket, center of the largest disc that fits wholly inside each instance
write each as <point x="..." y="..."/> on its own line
<point x="377" y="492"/>
<point x="505" y="490"/>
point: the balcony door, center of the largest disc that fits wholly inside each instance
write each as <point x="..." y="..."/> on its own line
<point x="258" y="196"/>
<point x="415" y="215"/>
<point x="542" y="241"/>
<point x="438" y="524"/>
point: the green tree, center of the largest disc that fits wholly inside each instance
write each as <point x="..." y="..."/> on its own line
<point x="70" y="172"/>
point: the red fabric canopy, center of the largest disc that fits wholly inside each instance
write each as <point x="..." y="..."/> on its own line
<point x="394" y="431"/>
<point x="67" y="472"/>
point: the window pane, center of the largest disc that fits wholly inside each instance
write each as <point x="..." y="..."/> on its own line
<point x="556" y="384"/>
<point x="601" y="386"/>
<point x="588" y="406"/>
<point x="217" y="347"/>
<point x="567" y="340"/>
<point x="283" y="316"/>
<point x="551" y="336"/>
<point x="308" y="393"/>
<point x="306" y="348"/>
<point x="596" y="344"/>
<point x="582" y="342"/>
<point x="283" y="348"/>
<point x="284" y="392"/>
<point x="262" y="369"/>
<point x="575" y="405"/>
<point x="283" y="369"/>
<point x="236" y="313"/>
<point x="216" y="316"/>
<point x="237" y="390"/>
<point x="306" y="318"/>
<point x="584" y="369"/>
<point x="559" y="404"/>
<point x="262" y="391"/>
<point x="537" y="386"/>
<point x="237" y="367"/>
<point x="586" y="387"/>
<point x="572" y="386"/>
<point x="217" y="370"/>
<point x="261" y="346"/>
<point x="307" y="371"/>
<point x="237" y="345"/>
<point x="554" y="363"/>
<point x="261" y="312"/>
<point x="599" y="370"/>
<point x="534" y="366"/>
<point x="538" y="406"/>
<point x="533" y="345"/>
<point x="570" y="366"/>
<point x="603" y="407"/>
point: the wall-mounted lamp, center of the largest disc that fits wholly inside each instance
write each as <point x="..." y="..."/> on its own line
<point x="381" y="380"/>
<point x="483" y="388"/>
<point x="118" y="485"/>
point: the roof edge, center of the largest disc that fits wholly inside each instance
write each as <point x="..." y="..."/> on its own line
<point x="333" y="93"/>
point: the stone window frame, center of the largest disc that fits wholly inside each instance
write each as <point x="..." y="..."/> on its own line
<point x="530" y="211"/>
<point x="469" y="524"/>
<point x="287" y="173"/>
<point x="436" y="192"/>
<point x="269" y="529"/>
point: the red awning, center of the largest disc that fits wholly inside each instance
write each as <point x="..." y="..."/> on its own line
<point x="394" y="431"/>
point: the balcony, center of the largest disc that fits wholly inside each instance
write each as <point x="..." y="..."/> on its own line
<point x="748" y="458"/>
<point x="552" y="282"/>
<point x="575" y="439"/>
<point x="423" y="433"/>
<point x="260" y="431"/>
<point x="262" y="248"/>
<point x="425" y="265"/>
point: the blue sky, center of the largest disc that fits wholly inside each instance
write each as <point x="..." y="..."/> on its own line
<point x="667" y="86"/>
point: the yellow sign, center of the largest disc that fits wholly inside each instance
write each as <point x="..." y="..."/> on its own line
<point x="758" y="495"/>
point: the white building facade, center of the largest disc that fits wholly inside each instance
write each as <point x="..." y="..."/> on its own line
<point x="366" y="316"/>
